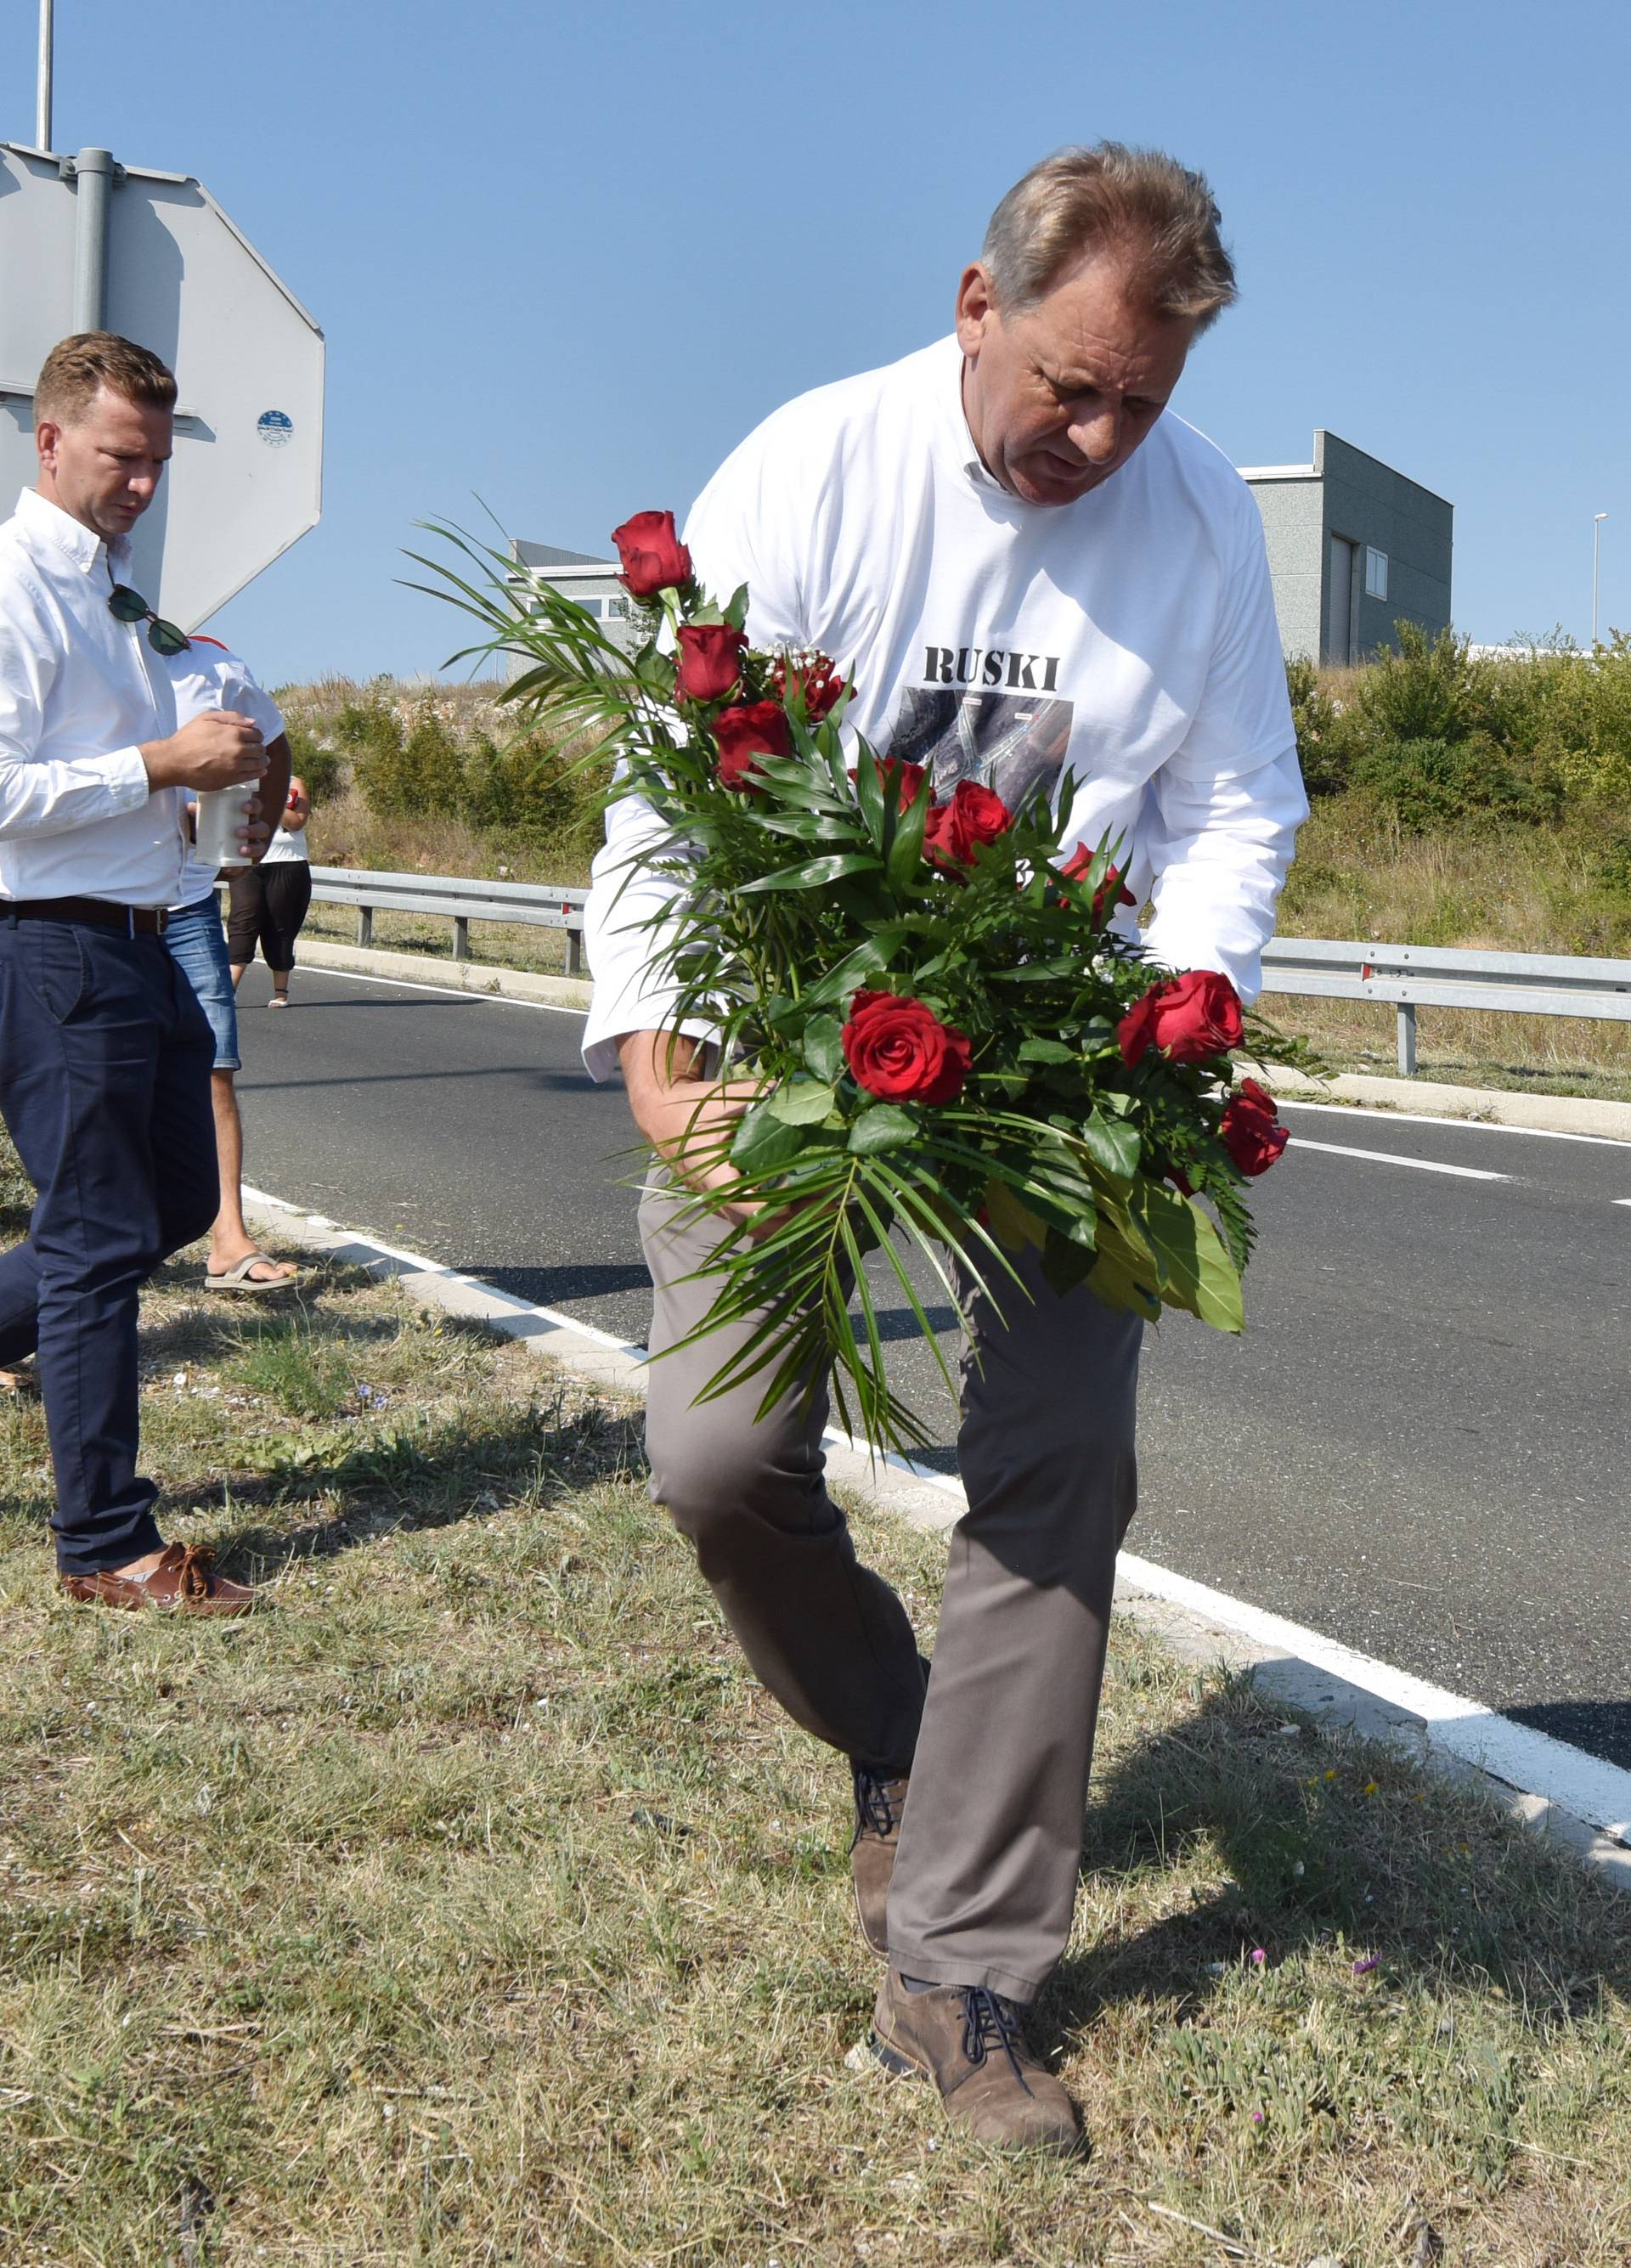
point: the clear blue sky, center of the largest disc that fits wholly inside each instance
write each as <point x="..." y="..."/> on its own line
<point x="565" y="255"/>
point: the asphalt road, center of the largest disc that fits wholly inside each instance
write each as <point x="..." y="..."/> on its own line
<point x="1421" y="1447"/>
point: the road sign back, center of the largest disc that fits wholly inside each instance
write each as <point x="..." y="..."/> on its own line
<point x="246" y="478"/>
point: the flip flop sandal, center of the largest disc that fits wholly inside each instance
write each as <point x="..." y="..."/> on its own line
<point x="237" y="1278"/>
<point x="278" y="1000"/>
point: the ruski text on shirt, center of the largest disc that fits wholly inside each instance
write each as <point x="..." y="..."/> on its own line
<point x="970" y="664"/>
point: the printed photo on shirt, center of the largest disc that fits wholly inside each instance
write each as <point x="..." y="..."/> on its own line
<point x="1013" y="743"/>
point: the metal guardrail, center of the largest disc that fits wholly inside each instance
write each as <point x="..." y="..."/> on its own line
<point x="1408" y="976"/>
<point x="538" y="905"/>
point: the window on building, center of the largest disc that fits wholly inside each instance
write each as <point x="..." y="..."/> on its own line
<point x="1376" y="572"/>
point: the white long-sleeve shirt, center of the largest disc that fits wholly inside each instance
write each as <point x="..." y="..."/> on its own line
<point x="79" y="694"/>
<point x="1128" y="638"/>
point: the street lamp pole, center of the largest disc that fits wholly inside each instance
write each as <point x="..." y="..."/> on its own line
<point x="42" y="85"/>
<point x="1598" y="517"/>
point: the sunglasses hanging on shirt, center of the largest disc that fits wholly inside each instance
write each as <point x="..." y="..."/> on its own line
<point x="128" y="605"/>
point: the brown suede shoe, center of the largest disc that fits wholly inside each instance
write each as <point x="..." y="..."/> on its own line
<point x="878" y="1805"/>
<point x="969" y="2041"/>
<point x="181" y="1583"/>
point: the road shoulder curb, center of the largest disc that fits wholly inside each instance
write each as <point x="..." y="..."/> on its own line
<point x="484" y="978"/>
<point x="1483" y="1106"/>
<point x="1295" y="1669"/>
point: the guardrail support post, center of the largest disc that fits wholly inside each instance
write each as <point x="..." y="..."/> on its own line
<point x="574" y="953"/>
<point x="1406" y="1039"/>
<point x="460" y="938"/>
<point x="364" y="924"/>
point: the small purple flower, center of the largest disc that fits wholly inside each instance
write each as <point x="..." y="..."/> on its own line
<point x="1256" y="2118"/>
<point x="1363" y="1968"/>
<point x="1257" y="1956"/>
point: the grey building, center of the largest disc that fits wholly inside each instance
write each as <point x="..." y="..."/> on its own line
<point x="1354" y="548"/>
<point x="591" y="582"/>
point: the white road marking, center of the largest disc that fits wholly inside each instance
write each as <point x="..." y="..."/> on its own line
<point x="1533" y="1762"/>
<point x="1530" y="1761"/>
<point x="444" y="991"/>
<point x="1379" y="1112"/>
<point x="421" y="1266"/>
<point x="1393" y="1158"/>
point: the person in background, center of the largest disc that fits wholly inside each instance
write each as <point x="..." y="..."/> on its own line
<point x="209" y="678"/>
<point x="271" y="900"/>
<point x="105" y="1052"/>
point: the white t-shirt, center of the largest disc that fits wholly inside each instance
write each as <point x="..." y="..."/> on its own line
<point x="1128" y="637"/>
<point x="209" y="676"/>
<point x="286" y="849"/>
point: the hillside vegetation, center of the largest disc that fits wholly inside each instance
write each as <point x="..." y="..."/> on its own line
<point x="1458" y="799"/>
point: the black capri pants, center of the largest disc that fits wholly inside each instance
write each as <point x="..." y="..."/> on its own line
<point x="269" y="904"/>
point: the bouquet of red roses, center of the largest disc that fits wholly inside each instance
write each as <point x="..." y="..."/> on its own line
<point x="954" y="1050"/>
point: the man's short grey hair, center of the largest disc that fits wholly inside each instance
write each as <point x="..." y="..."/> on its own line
<point x="1139" y="204"/>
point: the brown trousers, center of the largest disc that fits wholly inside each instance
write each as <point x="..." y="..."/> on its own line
<point x="1000" y="1746"/>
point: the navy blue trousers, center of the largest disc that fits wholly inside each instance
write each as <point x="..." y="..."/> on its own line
<point x="105" y="1057"/>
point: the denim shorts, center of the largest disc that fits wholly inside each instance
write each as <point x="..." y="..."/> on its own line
<point x="197" y="942"/>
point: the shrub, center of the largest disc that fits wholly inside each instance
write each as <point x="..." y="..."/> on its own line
<point x="432" y="764"/>
<point x="1427" y="691"/>
<point x="411" y="774"/>
<point x="317" y="766"/>
<point x="1426" y="784"/>
<point x="1324" y="738"/>
<point x="1570" y="712"/>
<point x="1613" y="865"/>
<point x="533" y="789"/>
<point x="370" y="733"/>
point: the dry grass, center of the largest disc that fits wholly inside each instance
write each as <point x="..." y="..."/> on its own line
<point x="1530" y="1055"/>
<point x="472" y="1904"/>
<point x="346" y="833"/>
<point x="1514" y="891"/>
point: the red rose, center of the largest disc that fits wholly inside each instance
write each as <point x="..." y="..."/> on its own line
<point x="1252" y="1131"/>
<point x="955" y="830"/>
<point x="1110" y="893"/>
<point x="905" y="779"/>
<point x="710" y="661"/>
<point x="899" y="1050"/>
<point x="653" y="558"/>
<point x="756" y="728"/>
<point x="815" y="677"/>
<point x="1187" y="1019"/>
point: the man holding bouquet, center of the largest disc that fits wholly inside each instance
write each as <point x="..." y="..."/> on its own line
<point x="1033" y="572"/>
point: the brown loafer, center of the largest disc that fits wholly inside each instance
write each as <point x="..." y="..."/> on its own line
<point x="969" y="2041"/>
<point x="879" y="1803"/>
<point x="182" y="1583"/>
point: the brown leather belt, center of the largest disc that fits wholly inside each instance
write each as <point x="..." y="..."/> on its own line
<point x="135" y="921"/>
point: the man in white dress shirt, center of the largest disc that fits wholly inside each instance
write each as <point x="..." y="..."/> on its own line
<point x="1032" y="570"/>
<point x="105" y="1052"/>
